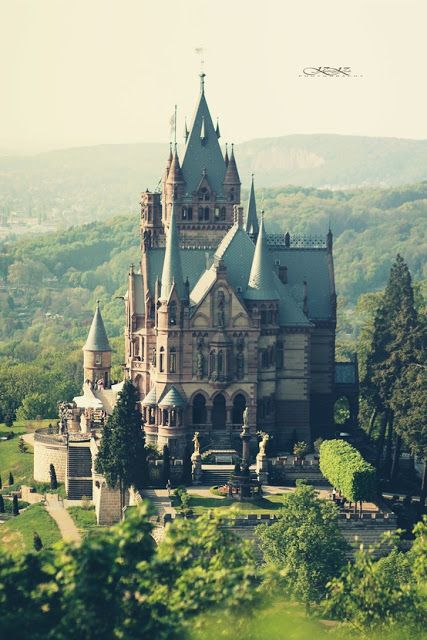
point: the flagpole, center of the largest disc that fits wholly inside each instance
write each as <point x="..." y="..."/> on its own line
<point x="174" y="135"/>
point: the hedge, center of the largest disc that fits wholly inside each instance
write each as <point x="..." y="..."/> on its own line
<point x="345" y="468"/>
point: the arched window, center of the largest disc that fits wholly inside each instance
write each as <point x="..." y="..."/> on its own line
<point x="172" y="360"/>
<point x="162" y="359"/>
<point x="207" y="213"/>
<point x="199" y="409"/>
<point x="265" y="360"/>
<point x="239" y="405"/>
<point x="219" y="412"/>
<point x="98" y="358"/>
<point x="165" y="417"/>
<point x="279" y="355"/>
<point x="172" y="312"/>
<point x="222" y="214"/>
<point x="190" y="213"/>
<point x="173" y="418"/>
<point x="200" y="214"/>
<point x="184" y="213"/>
<point x="216" y="213"/>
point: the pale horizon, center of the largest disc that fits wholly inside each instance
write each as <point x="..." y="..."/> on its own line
<point x="105" y="72"/>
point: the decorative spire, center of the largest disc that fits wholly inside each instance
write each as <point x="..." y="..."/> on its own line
<point x="226" y="159"/>
<point x="252" y="226"/>
<point x="261" y="279"/>
<point x="175" y="173"/>
<point x="203" y="135"/>
<point x="186" y="131"/>
<point x="217" y="131"/>
<point x="202" y="83"/>
<point x="97" y="339"/>
<point x="172" y="269"/>
<point x="232" y="175"/>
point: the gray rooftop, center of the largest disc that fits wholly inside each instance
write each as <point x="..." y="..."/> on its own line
<point x="97" y="339"/>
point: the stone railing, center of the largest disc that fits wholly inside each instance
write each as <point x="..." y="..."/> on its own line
<point x="296" y="241"/>
<point x="51" y="436"/>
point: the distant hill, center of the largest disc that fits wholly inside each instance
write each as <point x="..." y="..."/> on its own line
<point x="73" y="186"/>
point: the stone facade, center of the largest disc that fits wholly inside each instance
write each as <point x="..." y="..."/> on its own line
<point x="47" y="453"/>
<point x="223" y="316"/>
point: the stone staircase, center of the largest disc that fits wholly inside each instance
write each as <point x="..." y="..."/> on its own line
<point x="216" y="476"/>
<point x="79" y="472"/>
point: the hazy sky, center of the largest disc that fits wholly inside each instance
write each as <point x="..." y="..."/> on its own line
<point x="81" y="72"/>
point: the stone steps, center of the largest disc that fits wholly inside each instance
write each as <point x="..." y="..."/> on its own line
<point x="216" y="477"/>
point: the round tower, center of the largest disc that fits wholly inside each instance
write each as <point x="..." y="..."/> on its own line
<point x="97" y="353"/>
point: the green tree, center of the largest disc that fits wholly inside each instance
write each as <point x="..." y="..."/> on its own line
<point x="381" y="595"/>
<point x="121" y="455"/>
<point x="2" y="510"/>
<point x="22" y="446"/>
<point x="15" y="505"/>
<point x="11" y="479"/>
<point x="305" y="544"/>
<point x="34" y="405"/>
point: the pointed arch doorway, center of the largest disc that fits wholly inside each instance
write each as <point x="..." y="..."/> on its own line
<point x="219" y="413"/>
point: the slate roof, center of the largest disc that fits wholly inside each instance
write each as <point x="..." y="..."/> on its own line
<point x="172" y="398"/>
<point x="203" y="152"/>
<point x="150" y="398"/>
<point x="97" y="339"/>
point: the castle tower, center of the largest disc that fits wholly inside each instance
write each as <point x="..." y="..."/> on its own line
<point x="97" y="353"/>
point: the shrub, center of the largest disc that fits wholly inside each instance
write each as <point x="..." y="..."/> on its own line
<point x="37" y="542"/>
<point x="345" y="468"/>
<point x="2" y="509"/>
<point x="22" y="446"/>
<point x="15" y="506"/>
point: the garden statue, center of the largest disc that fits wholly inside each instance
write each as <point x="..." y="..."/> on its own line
<point x="263" y="442"/>
<point x="246" y="417"/>
<point x="196" y="442"/>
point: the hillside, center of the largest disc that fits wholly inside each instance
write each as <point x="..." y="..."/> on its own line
<point x="75" y="186"/>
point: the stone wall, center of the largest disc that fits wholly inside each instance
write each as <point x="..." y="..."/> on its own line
<point x="47" y="453"/>
<point x="107" y="502"/>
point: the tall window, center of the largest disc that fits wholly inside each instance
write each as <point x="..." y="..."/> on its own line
<point x="199" y="409"/>
<point x="190" y="213"/>
<point x="172" y="312"/>
<point x="220" y="362"/>
<point x="222" y="214"/>
<point x="161" y="359"/>
<point x="172" y="361"/>
<point x="263" y="314"/>
<point x="153" y="356"/>
<point x="200" y="214"/>
<point x="279" y="355"/>
<point x="98" y="358"/>
<point x="206" y="213"/>
<point x="184" y="214"/>
<point x="212" y="362"/>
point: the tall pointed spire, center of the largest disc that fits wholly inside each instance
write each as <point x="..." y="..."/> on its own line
<point x="232" y="175"/>
<point x="226" y="158"/>
<point x="252" y="226"/>
<point x="172" y="268"/>
<point x="261" y="279"/>
<point x="217" y="131"/>
<point x="186" y="131"/>
<point x="202" y="149"/>
<point x="97" y="339"/>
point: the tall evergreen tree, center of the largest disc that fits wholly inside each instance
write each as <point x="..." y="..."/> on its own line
<point x="53" y="479"/>
<point x="15" y="505"/>
<point x="121" y="455"/>
<point x="11" y="480"/>
<point x="393" y="345"/>
<point x="37" y="542"/>
<point x="1" y="504"/>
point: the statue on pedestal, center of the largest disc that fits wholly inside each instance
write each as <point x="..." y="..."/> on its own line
<point x="196" y="460"/>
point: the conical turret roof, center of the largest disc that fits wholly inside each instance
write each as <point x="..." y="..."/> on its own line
<point x="231" y="174"/>
<point x="252" y="226"/>
<point x="261" y="284"/>
<point x="175" y="172"/>
<point x="172" y="268"/>
<point x="203" y="150"/>
<point x="97" y="339"/>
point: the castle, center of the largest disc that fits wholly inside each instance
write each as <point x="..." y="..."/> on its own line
<point x="224" y="316"/>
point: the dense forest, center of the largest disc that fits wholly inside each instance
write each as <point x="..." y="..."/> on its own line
<point x="49" y="284"/>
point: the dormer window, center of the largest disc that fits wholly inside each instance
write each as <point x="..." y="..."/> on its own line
<point x="172" y="312"/>
<point x="204" y="194"/>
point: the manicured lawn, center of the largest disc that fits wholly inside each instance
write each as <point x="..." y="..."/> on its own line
<point x="21" y="464"/>
<point x="223" y="506"/>
<point x="16" y="535"/>
<point x="85" y="519"/>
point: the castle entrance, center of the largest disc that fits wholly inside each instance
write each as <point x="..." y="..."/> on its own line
<point x="219" y="412"/>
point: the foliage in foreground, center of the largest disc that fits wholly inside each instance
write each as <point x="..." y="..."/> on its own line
<point x="201" y="582"/>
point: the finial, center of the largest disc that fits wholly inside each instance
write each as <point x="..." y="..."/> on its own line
<point x="202" y="82"/>
<point x="132" y="267"/>
<point x="217" y="131"/>
<point x="262" y="215"/>
<point x="98" y="302"/>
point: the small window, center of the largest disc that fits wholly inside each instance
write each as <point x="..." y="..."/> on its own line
<point x="153" y="357"/>
<point x="190" y="213"/>
<point x="172" y="312"/>
<point x="98" y="358"/>
<point x="161" y="359"/>
<point x="207" y="213"/>
<point x="216" y="213"/>
<point x="184" y="213"/>
<point x="222" y="214"/>
<point x="172" y="361"/>
<point x="200" y="214"/>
